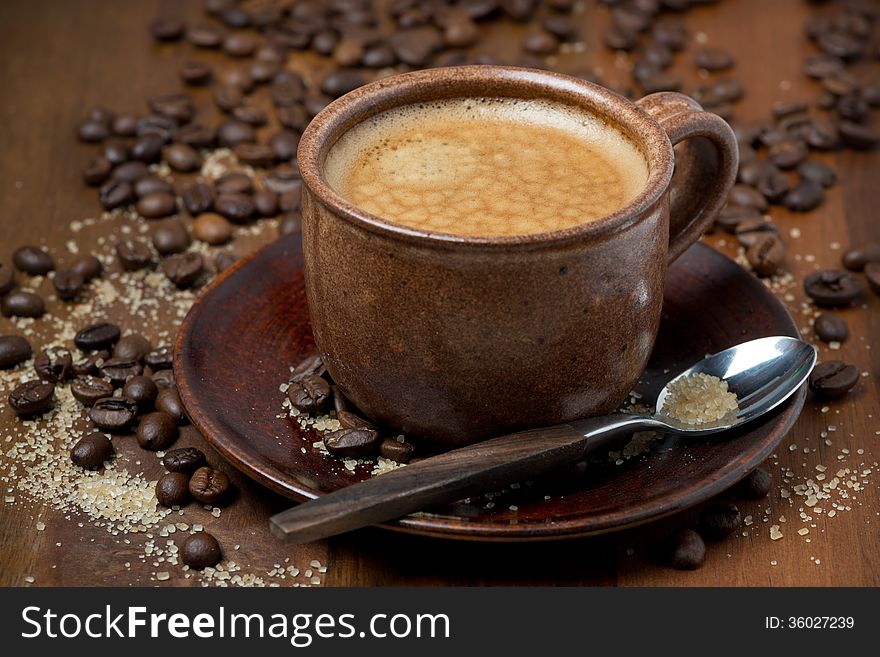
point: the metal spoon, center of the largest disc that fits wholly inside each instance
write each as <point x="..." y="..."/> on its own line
<point x="763" y="373"/>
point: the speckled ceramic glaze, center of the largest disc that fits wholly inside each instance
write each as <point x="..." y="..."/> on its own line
<point x="453" y="339"/>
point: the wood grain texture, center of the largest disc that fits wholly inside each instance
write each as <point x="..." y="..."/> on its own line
<point x="59" y="58"/>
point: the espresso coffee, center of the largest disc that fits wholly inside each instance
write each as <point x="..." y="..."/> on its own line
<point x="486" y="167"/>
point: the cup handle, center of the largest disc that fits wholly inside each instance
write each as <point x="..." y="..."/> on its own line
<point x="706" y="160"/>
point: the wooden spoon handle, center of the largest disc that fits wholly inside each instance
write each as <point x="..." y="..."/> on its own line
<point x="471" y="470"/>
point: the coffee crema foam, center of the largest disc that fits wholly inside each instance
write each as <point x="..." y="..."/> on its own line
<point x="486" y="167"/>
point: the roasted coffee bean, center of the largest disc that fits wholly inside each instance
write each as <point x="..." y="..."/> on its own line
<point x="159" y="204"/>
<point x="177" y="107"/>
<point x="744" y="195"/>
<point x="89" y="389"/>
<point x="130" y="172"/>
<point x="223" y="261"/>
<point x="90" y="364"/>
<point x="263" y="71"/>
<point x="415" y="46"/>
<point x="67" y="284"/>
<point x="7" y="279"/>
<point x="195" y="72"/>
<point x="238" y="208"/>
<point x="348" y="52"/>
<point x="872" y="274"/>
<point x="88" y="267"/>
<point x="163" y="379"/>
<point x="821" y="66"/>
<point x="120" y="370"/>
<point x="14" y="350"/>
<point x="142" y="390"/>
<point x="100" y="335"/>
<point x="719" y="520"/>
<point x="687" y="551"/>
<point x="234" y="183"/>
<point x="661" y="82"/>
<point x="308" y="367"/>
<point x="805" y="196"/>
<point x="208" y="485"/>
<point x="172" y="489"/>
<point x="755" y="486"/>
<point x="167" y="29"/>
<point x="350" y="420"/>
<point x="315" y="102"/>
<point x="283" y="179"/>
<point x="196" y="135"/>
<point x="239" y="44"/>
<point x="835" y="287"/>
<point x="185" y="460"/>
<point x="340" y="82"/>
<point x="133" y="254"/>
<point x="232" y="133"/>
<point x="817" y="172"/>
<point x="853" y="108"/>
<point x="200" y="551"/>
<point x="539" y="42"/>
<point x="833" y="379"/>
<point x="857" y="257"/>
<point x="751" y="229"/>
<point x="352" y="443"/>
<point x="830" y="327"/>
<point x="251" y="115"/>
<point x="266" y="203"/>
<point x="858" y="136"/>
<point x="168" y="401"/>
<point x="212" y="229"/>
<point x="92" y="131"/>
<point x="396" y="450"/>
<point x="292" y="200"/>
<point x="148" y="148"/>
<point x="91" y="451"/>
<point x="292" y="118"/>
<point x="54" y="364"/>
<point x="115" y="151"/>
<point x="31" y="398"/>
<point x="773" y="185"/>
<point x="171" y="237"/>
<point x="309" y="394"/>
<point x="33" y="260"/>
<point x="284" y="144"/>
<point x="713" y="59"/>
<point x="125" y="125"/>
<point x="239" y="78"/>
<point x="156" y="431"/>
<point x="184" y="269"/>
<point x="255" y="155"/>
<point x="205" y="35"/>
<point x="197" y="198"/>
<point x="788" y="153"/>
<point x="115" y="193"/>
<point x="161" y="358"/>
<point x="287" y="89"/>
<point x="227" y="97"/>
<point x="766" y="255"/>
<point x="21" y="303"/>
<point x="182" y="157"/>
<point x="133" y="346"/>
<point x="97" y="170"/>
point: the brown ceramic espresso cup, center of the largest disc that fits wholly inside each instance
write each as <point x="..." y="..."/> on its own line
<point x="454" y="338"/>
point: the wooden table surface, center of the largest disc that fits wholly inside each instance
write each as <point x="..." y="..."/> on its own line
<point x="59" y="58"/>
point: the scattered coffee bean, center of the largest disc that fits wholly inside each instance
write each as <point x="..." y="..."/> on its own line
<point x="97" y="336"/>
<point x="350" y="420"/>
<point x="833" y="378"/>
<point x="232" y="133"/>
<point x="167" y="29"/>
<point x="197" y="198"/>
<point x="755" y="486"/>
<point x="208" y="485"/>
<point x="719" y="520"/>
<point x="120" y="370"/>
<point x="205" y="35"/>
<point x="185" y="460"/>
<point x="858" y="136"/>
<point x="115" y="151"/>
<point x="153" y="206"/>
<point x="31" y="398"/>
<point x="352" y="443"/>
<point x="239" y="44"/>
<point x="311" y="366"/>
<point x="212" y="229"/>
<point x="234" y="183"/>
<point x="872" y="274"/>
<point x="238" y="208"/>
<point x="67" y="284"/>
<point x="788" y="153"/>
<point x="148" y="149"/>
<point x="91" y="363"/>
<point x="152" y="185"/>
<point x="142" y="390"/>
<point x="713" y="59"/>
<point x="125" y="125"/>
<point x="195" y="72"/>
<point x="88" y="267"/>
<point x="89" y="389"/>
<point x="168" y="401"/>
<point x="396" y="450"/>
<point x="7" y="279"/>
<point x="255" y="155"/>
<point x="341" y="81"/>
<point x="857" y="257"/>
<point x="284" y="144"/>
<point x="92" y="450"/>
<point x="745" y="195"/>
<point x="830" y="327"/>
<point x="415" y="46"/>
<point x="54" y="364"/>
<point x="14" y="350"/>
<point x="196" y="135"/>
<point x="266" y="203"/>
<point x="184" y="269"/>
<point x="835" y="287"/>
<point x="173" y="490"/>
<point x="130" y="173"/>
<point x="182" y="157"/>
<point x="133" y="254"/>
<point x="309" y="393"/>
<point x="21" y="303"/>
<point x="687" y="551"/>
<point x="133" y="346"/>
<point x="766" y="255"/>
<point x="156" y="431"/>
<point x="752" y="229"/>
<point x="161" y="358"/>
<point x="805" y="196"/>
<point x="200" y="551"/>
<point x="33" y="260"/>
<point x="171" y="237"/>
<point x="817" y="172"/>
<point x="163" y="379"/>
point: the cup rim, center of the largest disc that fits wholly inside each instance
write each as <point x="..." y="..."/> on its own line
<point x="344" y="113"/>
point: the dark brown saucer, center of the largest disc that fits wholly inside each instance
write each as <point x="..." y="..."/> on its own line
<point x="245" y="331"/>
